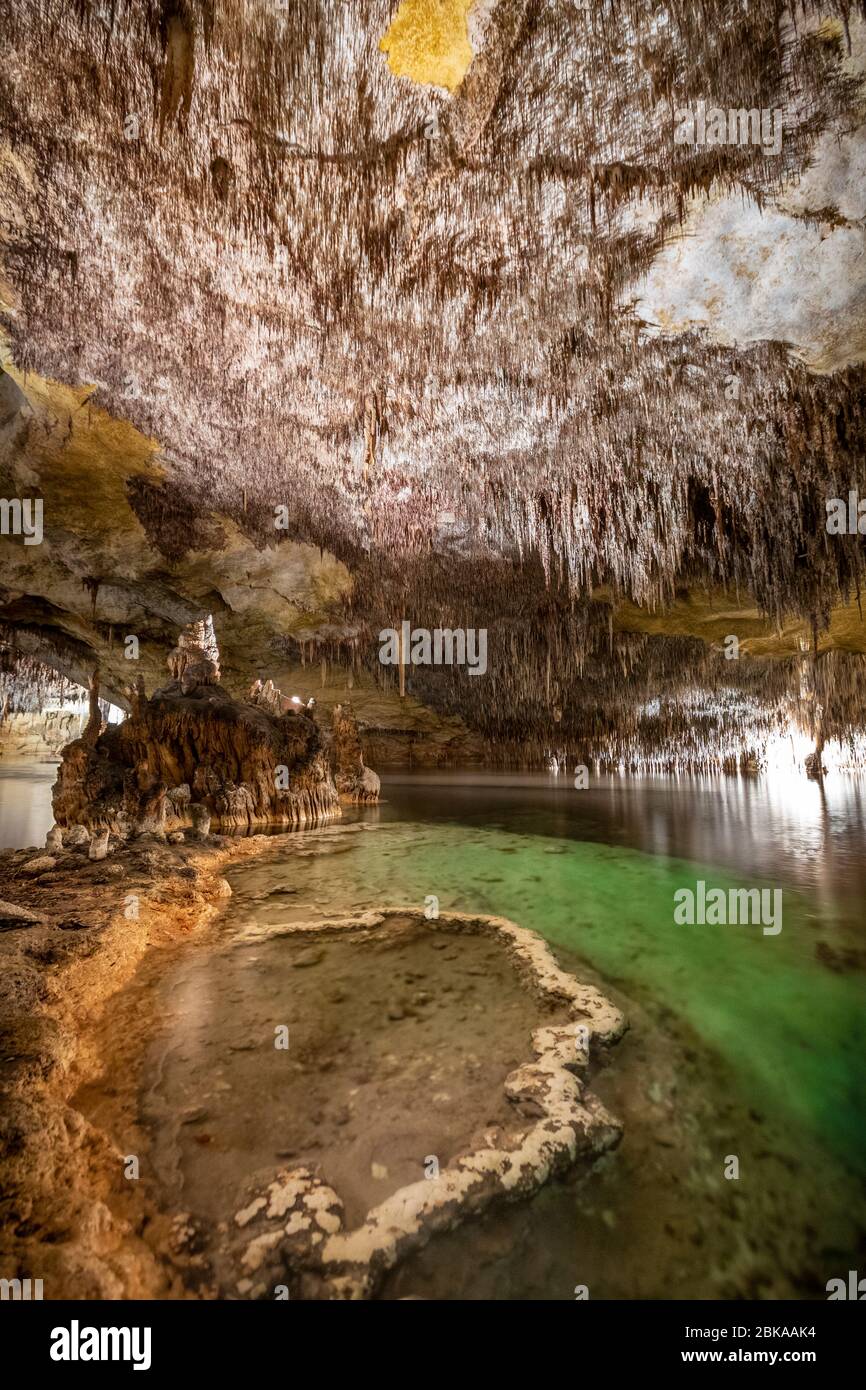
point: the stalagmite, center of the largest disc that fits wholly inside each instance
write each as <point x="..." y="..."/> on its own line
<point x="98" y="845"/>
<point x="192" y="744"/>
<point x="356" y="783"/>
<point x="54" y="838"/>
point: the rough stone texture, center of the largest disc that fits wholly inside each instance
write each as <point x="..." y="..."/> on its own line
<point x="196" y="659"/>
<point x="58" y="1217"/>
<point x="356" y="783"/>
<point x="13" y="916"/>
<point x="193" y="755"/>
<point x="560" y="1121"/>
<point x="463" y="400"/>
<point x="38" y="738"/>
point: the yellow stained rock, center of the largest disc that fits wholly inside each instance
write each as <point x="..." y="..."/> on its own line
<point x="429" y="42"/>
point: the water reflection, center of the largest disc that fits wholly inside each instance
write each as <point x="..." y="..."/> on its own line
<point x="25" y="803"/>
<point x="782" y="828"/>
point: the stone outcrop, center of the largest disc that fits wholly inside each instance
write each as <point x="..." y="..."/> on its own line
<point x="356" y="783"/>
<point x="266" y="695"/>
<point x="61" y="956"/>
<point x="196" y="659"/>
<point x="37" y="737"/>
<point x="193" y="756"/>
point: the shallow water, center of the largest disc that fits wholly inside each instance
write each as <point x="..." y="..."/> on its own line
<point x="741" y="1043"/>
<point x="792" y="1025"/>
<point x="25" y="803"/>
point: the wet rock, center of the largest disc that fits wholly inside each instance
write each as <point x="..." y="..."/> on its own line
<point x="311" y="956"/>
<point x="245" y="1216"/>
<point x="12" y="916"/>
<point x="76" y="836"/>
<point x="200" y="816"/>
<point x="54" y="839"/>
<point x="356" y="783"/>
<point x="839" y="959"/>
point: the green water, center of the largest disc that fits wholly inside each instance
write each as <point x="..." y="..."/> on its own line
<point x="740" y="1043"/>
<point x="792" y="1030"/>
<point x="596" y="873"/>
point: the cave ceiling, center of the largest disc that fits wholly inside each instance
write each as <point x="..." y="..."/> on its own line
<point x="438" y="279"/>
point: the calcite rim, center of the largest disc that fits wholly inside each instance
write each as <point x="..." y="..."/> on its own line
<point x="572" y="1123"/>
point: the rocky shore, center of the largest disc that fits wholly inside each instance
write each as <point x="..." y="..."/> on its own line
<point x="73" y="931"/>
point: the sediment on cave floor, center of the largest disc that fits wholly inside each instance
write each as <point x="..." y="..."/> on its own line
<point x="329" y="1194"/>
<point x="458" y="1035"/>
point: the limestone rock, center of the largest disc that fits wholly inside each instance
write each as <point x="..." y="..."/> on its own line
<point x="196" y="660"/>
<point x="42" y="865"/>
<point x="356" y="783"/>
<point x="200" y="816"/>
<point x="98" y="846"/>
<point x="242" y="763"/>
<point x="54" y="838"/>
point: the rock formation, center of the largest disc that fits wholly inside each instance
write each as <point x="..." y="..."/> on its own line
<point x="193" y="756"/>
<point x="356" y="783"/>
<point x="196" y="659"/>
<point x="556" y="1120"/>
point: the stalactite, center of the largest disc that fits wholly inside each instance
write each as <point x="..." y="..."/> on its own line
<point x="426" y="347"/>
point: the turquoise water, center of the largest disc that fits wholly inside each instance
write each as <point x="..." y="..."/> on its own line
<point x="792" y="1029"/>
<point x="740" y="1043"/>
<point x="596" y="871"/>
